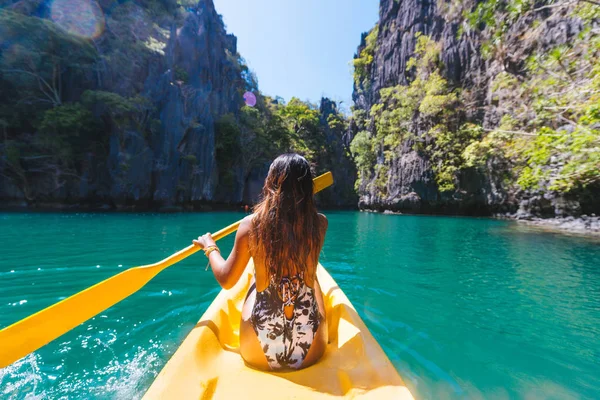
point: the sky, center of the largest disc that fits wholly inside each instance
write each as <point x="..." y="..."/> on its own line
<point x="300" y="48"/>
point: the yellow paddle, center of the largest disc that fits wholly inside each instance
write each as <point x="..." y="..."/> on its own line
<point x="33" y="332"/>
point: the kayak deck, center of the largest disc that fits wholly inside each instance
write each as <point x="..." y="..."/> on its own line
<point x="208" y="365"/>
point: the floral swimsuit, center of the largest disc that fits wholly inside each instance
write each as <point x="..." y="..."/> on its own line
<point x="285" y="318"/>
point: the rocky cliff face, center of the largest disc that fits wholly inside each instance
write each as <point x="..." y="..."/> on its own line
<point x="409" y="168"/>
<point x="399" y="23"/>
<point x="182" y="70"/>
<point x="118" y="107"/>
<point x="412" y="186"/>
<point x="337" y="158"/>
<point x="177" y="164"/>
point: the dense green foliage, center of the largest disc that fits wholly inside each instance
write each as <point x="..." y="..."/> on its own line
<point x="495" y="17"/>
<point x="547" y="104"/>
<point x="64" y="130"/>
<point x="42" y="133"/>
<point x="550" y="133"/>
<point x="427" y="102"/>
<point x="363" y="62"/>
<point x="258" y="134"/>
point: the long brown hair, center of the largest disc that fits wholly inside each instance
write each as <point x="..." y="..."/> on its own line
<point x="286" y="227"/>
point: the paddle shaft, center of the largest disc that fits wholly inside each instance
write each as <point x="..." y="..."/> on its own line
<point x="37" y="330"/>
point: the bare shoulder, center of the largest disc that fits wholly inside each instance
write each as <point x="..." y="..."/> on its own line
<point x="246" y="224"/>
<point x="323" y="220"/>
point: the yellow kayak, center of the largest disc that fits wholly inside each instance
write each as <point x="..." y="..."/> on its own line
<point x="208" y="365"/>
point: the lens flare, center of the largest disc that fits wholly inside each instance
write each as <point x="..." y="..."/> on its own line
<point x="82" y="18"/>
<point x="250" y="99"/>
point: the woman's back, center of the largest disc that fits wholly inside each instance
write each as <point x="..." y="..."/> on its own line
<point x="283" y="320"/>
<point x="286" y="314"/>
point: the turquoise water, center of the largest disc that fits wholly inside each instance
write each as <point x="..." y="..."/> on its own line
<point x="465" y="308"/>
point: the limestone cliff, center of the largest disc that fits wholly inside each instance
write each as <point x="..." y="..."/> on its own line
<point x="443" y="87"/>
<point x="157" y="79"/>
<point x="117" y="106"/>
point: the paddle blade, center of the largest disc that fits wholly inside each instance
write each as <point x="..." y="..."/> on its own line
<point x="35" y="331"/>
<point x="322" y="181"/>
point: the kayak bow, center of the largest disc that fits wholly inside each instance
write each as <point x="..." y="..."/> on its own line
<point x="208" y="365"/>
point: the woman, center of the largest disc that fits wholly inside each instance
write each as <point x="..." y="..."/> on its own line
<point x="283" y="319"/>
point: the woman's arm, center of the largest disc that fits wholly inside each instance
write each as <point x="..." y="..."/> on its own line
<point x="227" y="272"/>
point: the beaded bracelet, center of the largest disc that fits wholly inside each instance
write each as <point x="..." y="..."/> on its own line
<point x="210" y="249"/>
<point x="207" y="252"/>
